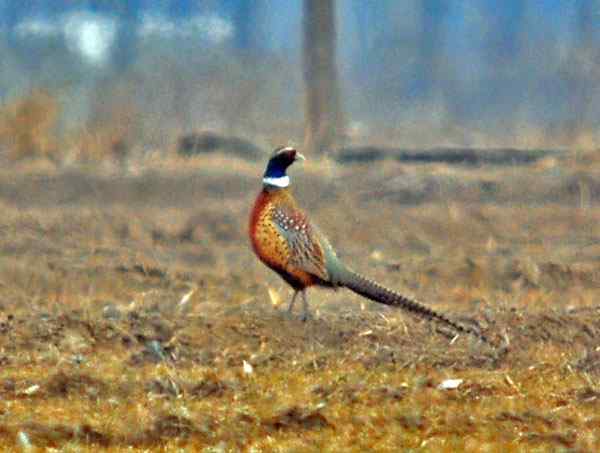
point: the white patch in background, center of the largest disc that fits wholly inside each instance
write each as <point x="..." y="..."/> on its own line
<point x="248" y="369"/>
<point x="210" y="27"/>
<point x="156" y="25"/>
<point x="450" y="384"/>
<point x="357" y="130"/>
<point x="37" y="27"/>
<point x="24" y="441"/>
<point x="214" y="28"/>
<point x="91" y="35"/>
<point x="275" y="297"/>
<point x="186" y="297"/>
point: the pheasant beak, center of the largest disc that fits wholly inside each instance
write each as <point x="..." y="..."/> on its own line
<point x="300" y="156"/>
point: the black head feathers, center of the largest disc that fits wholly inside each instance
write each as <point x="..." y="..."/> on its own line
<point x="275" y="174"/>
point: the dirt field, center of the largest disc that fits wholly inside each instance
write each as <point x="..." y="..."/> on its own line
<point x="133" y="314"/>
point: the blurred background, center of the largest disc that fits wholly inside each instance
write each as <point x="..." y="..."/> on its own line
<point x="453" y="154"/>
<point x="89" y="76"/>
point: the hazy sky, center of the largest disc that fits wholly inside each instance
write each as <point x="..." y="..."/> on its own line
<point x="448" y="65"/>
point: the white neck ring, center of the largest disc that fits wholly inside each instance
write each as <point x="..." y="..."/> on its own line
<point x="282" y="181"/>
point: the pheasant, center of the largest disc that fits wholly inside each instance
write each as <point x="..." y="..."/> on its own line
<point x="285" y="240"/>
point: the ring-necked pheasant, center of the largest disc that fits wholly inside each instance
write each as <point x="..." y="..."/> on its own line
<point x="286" y="241"/>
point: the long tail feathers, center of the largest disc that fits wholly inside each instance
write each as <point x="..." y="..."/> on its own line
<point x="377" y="293"/>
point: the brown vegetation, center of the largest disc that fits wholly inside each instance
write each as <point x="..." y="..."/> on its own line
<point x="28" y="126"/>
<point x="132" y="312"/>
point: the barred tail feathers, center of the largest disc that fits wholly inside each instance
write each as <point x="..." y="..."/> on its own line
<point x="380" y="294"/>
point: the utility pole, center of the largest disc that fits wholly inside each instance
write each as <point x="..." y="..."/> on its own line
<point x="323" y="117"/>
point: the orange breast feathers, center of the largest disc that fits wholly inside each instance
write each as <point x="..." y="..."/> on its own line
<point x="269" y="245"/>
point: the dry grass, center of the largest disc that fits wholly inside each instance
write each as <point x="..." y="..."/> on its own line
<point x="132" y="314"/>
<point x="29" y="129"/>
<point x="28" y="126"/>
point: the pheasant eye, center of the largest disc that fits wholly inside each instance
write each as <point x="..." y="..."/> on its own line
<point x="290" y="156"/>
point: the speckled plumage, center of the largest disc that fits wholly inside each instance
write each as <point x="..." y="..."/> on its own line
<point x="285" y="240"/>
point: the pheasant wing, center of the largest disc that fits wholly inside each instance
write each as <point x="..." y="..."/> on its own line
<point x="303" y="241"/>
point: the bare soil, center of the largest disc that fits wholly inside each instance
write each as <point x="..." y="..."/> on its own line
<point x="133" y="313"/>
